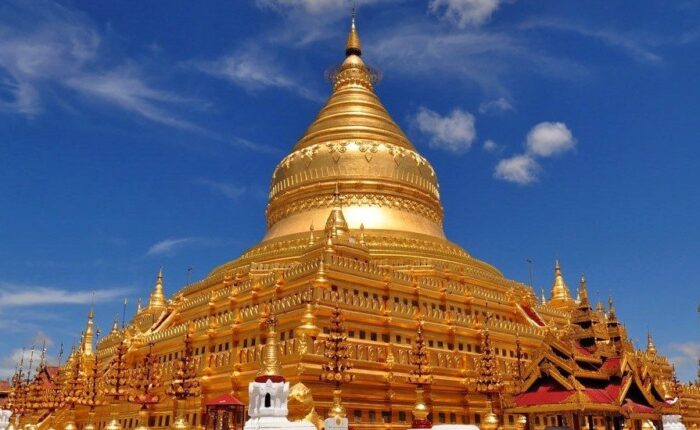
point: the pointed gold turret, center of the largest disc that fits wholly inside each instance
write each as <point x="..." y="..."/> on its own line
<point x="353" y="45"/>
<point x="270" y="365"/>
<point x="308" y="325"/>
<point x="651" y="348"/>
<point x="157" y="300"/>
<point x="560" y="291"/>
<point x="87" y="340"/>
<point x="336" y="226"/>
<point x="115" y="325"/>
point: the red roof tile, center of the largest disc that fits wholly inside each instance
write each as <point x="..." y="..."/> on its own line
<point x="636" y="407"/>
<point x="533" y="315"/>
<point x="545" y="394"/>
<point x="612" y="363"/>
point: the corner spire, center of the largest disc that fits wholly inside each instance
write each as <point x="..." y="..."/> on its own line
<point x="560" y="291"/>
<point x="115" y="325"/>
<point x="336" y="225"/>
<point x="87" y="339"/>
<point x="651" y="348"/>
<point x="270" y="366"/>
<point x="583" y="291"/>
<point x="353" y="46"/>
<point x="157" y="300"/>
<point x="611" y="310"/>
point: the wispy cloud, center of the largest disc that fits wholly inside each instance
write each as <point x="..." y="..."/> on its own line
<point x="495" y="106"/>
<point x="10" y="362"/>
<point x="491" y="146"/>
<point x="478" y="56"/>
<point x="546" y="139"/>
<point x="309" y="21"/>
<point x="255" y="147"/>
<point x="464" y="13"/>
<point x="232" y="191"/>
<point x="46" y="47"/>
<point x="685" y="356"/>
<point x="685" y="352"/>
<point x="126" y="89"/>
<point x="169" y="246"/>
<point x="638" y="47"/>
<point x="454" y="132"/>
<point x="16" y="295"/>
<point x="254" y="70"/>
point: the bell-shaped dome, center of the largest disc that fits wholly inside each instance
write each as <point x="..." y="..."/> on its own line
<point x="354" y="146"/>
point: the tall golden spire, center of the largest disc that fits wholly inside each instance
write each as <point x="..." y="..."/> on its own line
<point x="157" y="300"/>
<point x="87" y="340"/>
<point x="560" y="291"/>
<point x="353" y="45"/>
<point x="270" y="365"/>
<point x="651" y="348"/>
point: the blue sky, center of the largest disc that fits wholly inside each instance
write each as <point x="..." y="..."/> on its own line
<point x="140" y="134"/>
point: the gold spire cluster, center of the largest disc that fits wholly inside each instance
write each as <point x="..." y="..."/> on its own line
<point x="488" y="379"/>
<point x="117" y="374"/>
<point x="337" y="366"/>
<point x="420" y="375"/>
<point x="184" y="383"/>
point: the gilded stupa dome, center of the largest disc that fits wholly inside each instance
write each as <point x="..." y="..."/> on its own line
<point x="354" y="146"/>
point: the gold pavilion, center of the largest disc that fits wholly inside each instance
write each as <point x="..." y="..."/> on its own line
<point x="354" y="220"/>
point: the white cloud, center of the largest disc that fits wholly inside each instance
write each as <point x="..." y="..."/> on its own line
<point x="14" y="295"/>
<point x="544" y="140"/>
<point x="521" y="169"/>
<point x="464" y="12"/>
<point x="10" y="362"/>
<point x="46" y="47"/>
<point x="490" y="146"/>
<point x="549" y="138"/>
<point x="232" y="191"/>
<point x="498" y="105"/>
<point x="454" y="132"/>
<point x="254" y="70"/>
<point x="169" y="246"/>
<point x="689" y="352"/>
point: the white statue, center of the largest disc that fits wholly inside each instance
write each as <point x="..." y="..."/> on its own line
<point x="4" y="418"/>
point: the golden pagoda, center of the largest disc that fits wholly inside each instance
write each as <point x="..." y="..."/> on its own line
<point x="382" y="258"/>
